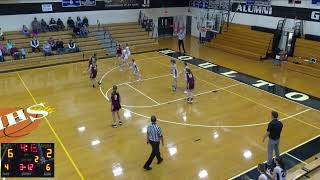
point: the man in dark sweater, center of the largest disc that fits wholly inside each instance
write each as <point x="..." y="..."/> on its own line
<point x="59" y="46"/>
<point x="273" y="132"/>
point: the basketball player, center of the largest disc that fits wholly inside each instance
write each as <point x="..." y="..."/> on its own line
<point x="115" y="106"/>
<point x="190" y="86"/>
<point x="119" y="51"/>
<point x="185" y="75"/>
<point x="262" y="170"/>
<point x="125" y="56"/>
<point x="128" y="53"/>
<point x="279" y="172"/>
<point x="174" y="73"/>
<point x="136" y="71"/>
<point x="93" y="68"/>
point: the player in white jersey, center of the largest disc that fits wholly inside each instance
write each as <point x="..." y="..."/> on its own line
<point x="128" y="53"/>
<point x="174" y="72"/>
<point x="185" y="75"/>
<point x="262" y="170"/>
<point x="279" y="172"/>
<point x="136" y="71"/>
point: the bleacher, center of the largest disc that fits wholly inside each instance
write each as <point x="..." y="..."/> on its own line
<point x="304" y="50"/>
<point x="88" y="46"/>
<point x="309" y="171"/>
<point x="242" y="41"/>
<point x="133" y="34"/>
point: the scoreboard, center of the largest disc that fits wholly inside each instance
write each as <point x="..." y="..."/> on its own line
<point x="27" y="159"/>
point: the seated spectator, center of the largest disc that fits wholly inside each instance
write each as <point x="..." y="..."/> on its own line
<point x="53" y="25"/>
<point x="72" y="47"/>
<point x="3" y="49"/>
<point x="70" y="23"/>
<point x="25" y="31"/>
<point x="23" y="53"/>
<point x="44" y="26"/>
<point x="59" y="46"/>
<point x="85" y="21"/>
<point x="1" y="34"/>
<point x="14" y="52"/>
<point x="79" y="22"/>
<point x="76" y="32"/>
<point x="1" y="56"/>
<point x="84" y="31"/>
<point x="52" y="44"/>
<point x="9" y="45"/>
<point x="36" y="27"/>
<point x="60" y="25"/>
<point x="47" y="49"/>
<point x="35" y="45"/>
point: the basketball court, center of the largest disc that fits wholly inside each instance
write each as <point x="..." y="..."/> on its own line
<point x="219" y="136"/>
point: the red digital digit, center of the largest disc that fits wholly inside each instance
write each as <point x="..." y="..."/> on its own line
<point x="23" y="147"/>
<point x="30" y="167"/>
<point x="33" y="148"/>
<point x="21" y="166"/>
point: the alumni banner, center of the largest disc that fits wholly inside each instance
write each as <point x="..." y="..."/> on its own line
<point x="278" y="11"/>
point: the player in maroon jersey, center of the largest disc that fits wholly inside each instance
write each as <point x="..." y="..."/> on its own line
<point x="115" y="106"/>
<point x="190" y="85"/>
<point x="93" y="70"/>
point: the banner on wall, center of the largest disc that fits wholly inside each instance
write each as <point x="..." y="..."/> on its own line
<point x="121" y="3"/>
<point x="71" y="3"/>
<point x="88" y="2"/>
<point x="278" y="11"/>
<point x="254" y="2"/>
<point x="46" y="7"/>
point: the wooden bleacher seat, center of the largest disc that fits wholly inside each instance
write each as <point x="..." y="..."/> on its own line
<point x="304" y="171"/>
<point x="242" y="41"/>
<point x="305" y="49"/>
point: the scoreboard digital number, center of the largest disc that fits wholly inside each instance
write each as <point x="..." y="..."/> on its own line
<point x="27" y="159"/>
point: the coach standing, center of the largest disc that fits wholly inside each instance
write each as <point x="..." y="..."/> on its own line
<point x="181" y="37"/>
<point x="154" y="135"/>
<point x="274" y="133"/>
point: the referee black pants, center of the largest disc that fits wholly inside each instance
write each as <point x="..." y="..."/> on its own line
<point x="155" y="152"/>
<point x="181" y="43"/>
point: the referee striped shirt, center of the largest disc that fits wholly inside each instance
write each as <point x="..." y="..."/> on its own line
<point x="154" y="132"/>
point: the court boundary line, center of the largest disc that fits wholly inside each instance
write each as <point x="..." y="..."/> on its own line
<point x="244" y="172"/>
<point x="142" y="94"/>
<point x="244" y="83"/>
<point x="197" y="125"/>
<point x="296" y="158"/>
<point x="52" y="130"/>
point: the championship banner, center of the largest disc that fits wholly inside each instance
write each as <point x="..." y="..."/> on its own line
<point x="121" y="3"/>
<point x="88" y="2"/>
<point x="254" y="2"/>
<point x="71" y="3"/>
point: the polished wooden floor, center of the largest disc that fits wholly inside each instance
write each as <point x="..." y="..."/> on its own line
<point x="197" y="145"/>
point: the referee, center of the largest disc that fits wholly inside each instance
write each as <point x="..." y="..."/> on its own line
<point x="181" y="36"/>
<point x="154" y="135"/>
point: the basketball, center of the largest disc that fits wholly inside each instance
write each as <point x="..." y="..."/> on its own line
<point x="20" y="129"/>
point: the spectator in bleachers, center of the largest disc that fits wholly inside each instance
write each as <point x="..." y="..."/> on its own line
<point x="1" y="34"/>
<point x="76" y="32"/>
<point x="1" y="56"/>
<point x="25" y="31"/>
<point x="47" y="51"/>
<point x="9" y="45"/>
<point x="53" y="25"/>
<point x="52" y="44"/>
<point x="3" y="49"/>
<point x="70" y="23"/>
<point x="85" y="21"/>
<point x="84" y="31"/>
<point x="36" y="27"/>
<point x="14" y="52"/>
<point x="44" y="26"/>
<point x="23" y="53"/>
<point x="35" y="45"/>
<point x="60" y="24"/>
<point x="78" y="22"/>
<point x="60" y="46"/>
<point x="72" y="47"/>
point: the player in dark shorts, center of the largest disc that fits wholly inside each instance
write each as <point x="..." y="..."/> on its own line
<point x="190" y="85"/>
<point x="115" y="106"/>
<point x="119" y="54"/>
<point x="93" y="70"/>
